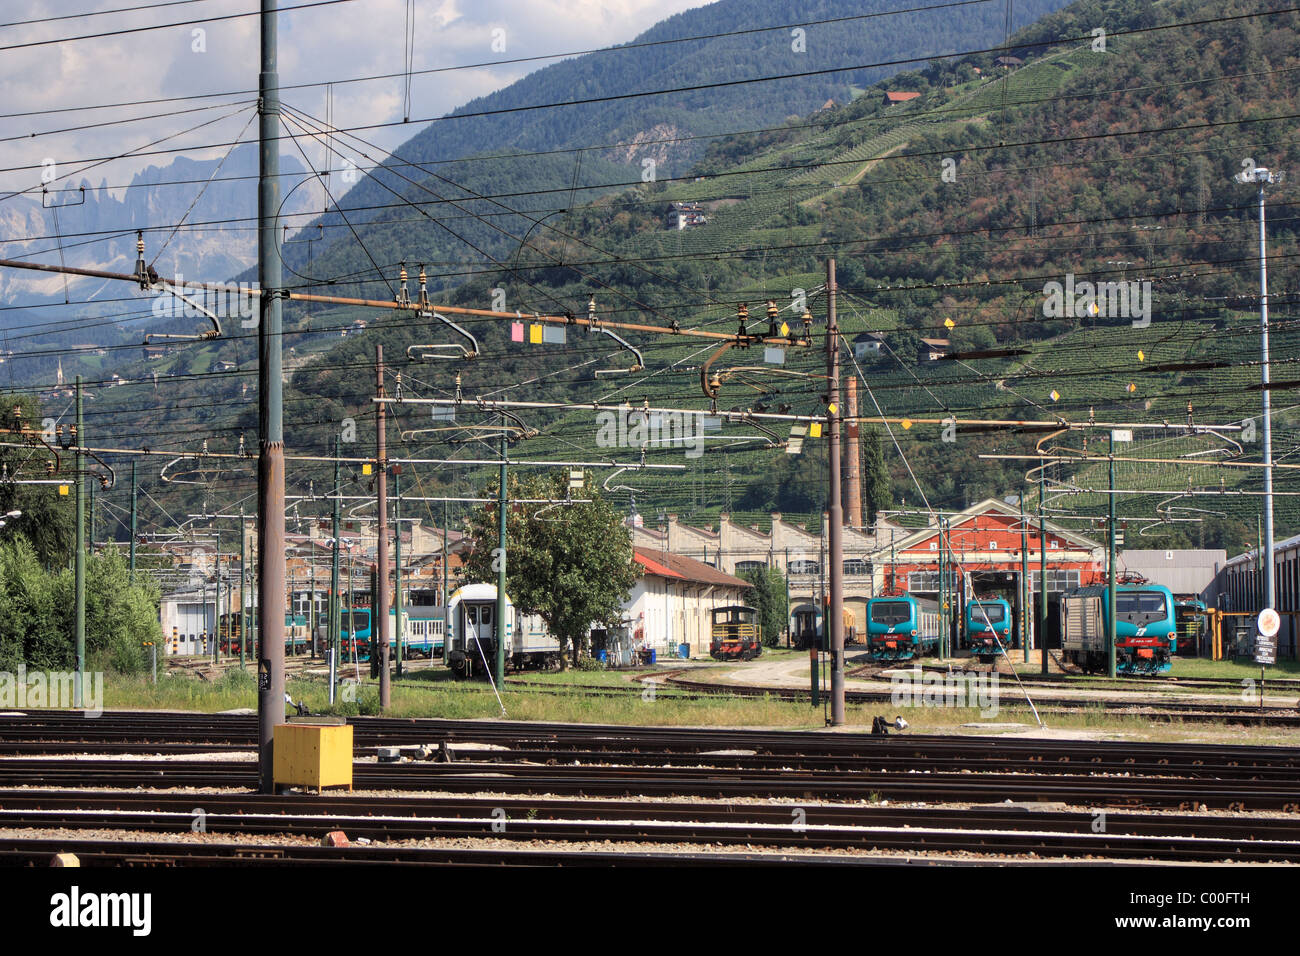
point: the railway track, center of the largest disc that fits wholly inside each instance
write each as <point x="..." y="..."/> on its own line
<point x="55" y="732"/>
<point x="601" y="780"/>
<point x="1187" y="711"/>
<point x="511" y="793"/>
<point x="1015" y="831"/>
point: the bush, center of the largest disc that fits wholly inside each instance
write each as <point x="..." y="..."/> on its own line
<point x="590" y="664"/>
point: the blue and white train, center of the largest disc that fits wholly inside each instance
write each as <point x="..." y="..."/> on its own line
<point x="1146" y="636"/>
<point x="901" y="628"/>
<point x="471" y="642"/>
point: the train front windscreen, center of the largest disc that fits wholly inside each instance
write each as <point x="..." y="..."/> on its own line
<point x="890" y="612"/>
<point x="1140" y="606"/>
<point x="993" y="613"/>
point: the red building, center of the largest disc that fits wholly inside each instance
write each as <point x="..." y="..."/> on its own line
<point x="986" y="550"/>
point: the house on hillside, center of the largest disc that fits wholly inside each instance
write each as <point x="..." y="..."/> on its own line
<point x="892" y="97"/>
<point x="868" y="346"/>
<point x="686" y="215"/>
<point x="932" y="350"/>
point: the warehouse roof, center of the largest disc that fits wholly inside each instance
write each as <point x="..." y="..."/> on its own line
<point x="676" y="567"/>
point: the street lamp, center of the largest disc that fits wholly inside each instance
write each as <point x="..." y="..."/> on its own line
<point x="1260" y="177"/>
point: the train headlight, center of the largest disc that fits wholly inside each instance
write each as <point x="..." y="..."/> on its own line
<point x="914" y="632"/>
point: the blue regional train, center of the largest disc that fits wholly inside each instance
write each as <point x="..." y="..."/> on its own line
<point x="1146" y="637"/>
<point x="987" y="625"/>
<point x="900" y="628"/>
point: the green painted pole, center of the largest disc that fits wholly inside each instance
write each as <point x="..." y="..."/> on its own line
<point x="133" y="520"/>
<point x="397" y="567"/>
<point x="216" y="605"/>
<point x="1025" y="597"/>
<point x="1042" y="569"/>
<point x="444" y="570"/>
<point x="336" y="597"/>
<point x="1110" y="570"/>
<point x="501" y="566"/>
<point x="79" y="558"/>
<point x="243" y="586"/>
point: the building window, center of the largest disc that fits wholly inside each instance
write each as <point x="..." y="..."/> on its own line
<point x="743" y="566"/>
<point x="805" y="566"/>
<point x="928" y="581"/>
<point x="857" y="566"/>
<point x="1057" y="580"/>
<point x="934" y="546"/>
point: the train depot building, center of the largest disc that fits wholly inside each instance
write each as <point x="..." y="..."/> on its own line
<point x="989" y="550"/>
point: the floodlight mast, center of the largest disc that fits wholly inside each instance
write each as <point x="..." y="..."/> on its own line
<point x="1261" y="176"/>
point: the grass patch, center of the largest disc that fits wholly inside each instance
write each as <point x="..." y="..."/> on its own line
<point x="430" y="694"/>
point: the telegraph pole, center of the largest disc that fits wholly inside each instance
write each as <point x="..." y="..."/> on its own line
<point x="270" y="394"/>
<point x="836" y="533"/>
<point x="79" y="559"/>
<point x="381" y="548"/>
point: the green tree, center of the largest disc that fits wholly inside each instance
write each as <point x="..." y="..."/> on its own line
<point x="37" y="612"/>
<point x="35" y="618"/>
<point x="769" y="596"/>
<point x="120" y="616"/>
<point x="571" y="565"/>
<point x="47" y="518"/>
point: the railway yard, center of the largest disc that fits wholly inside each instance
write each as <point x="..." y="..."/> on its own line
<point x="176" y="789"/>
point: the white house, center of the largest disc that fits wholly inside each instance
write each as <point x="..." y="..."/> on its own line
<point x="670" y="603"/>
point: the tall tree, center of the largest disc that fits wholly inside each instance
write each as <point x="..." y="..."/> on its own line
<point x="770" y="598"/>
<point x="571" y="565"/>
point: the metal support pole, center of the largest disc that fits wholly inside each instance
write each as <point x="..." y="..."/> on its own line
<point x="243" y="586"/>
<point x="352" y="608"/>
<point x="1110" y="570"/>
<point x="79" y="557"/>
<point x="1267" y="556"/>
<point x="444" y="573"/>
<point x="336" y="598"/>
<point x="943" y="597"/>
<point x="501" y="567"/>
<point x="270" y="465"/>
<point x="1025" y="597"/>
<point x="835" y="503"/>
<point x="397" y="565"/>
<point x="133" y="520"/>
<point x="381" y="548"/>
<point x="216" y="604"/>
<point x="1042" y="569"/>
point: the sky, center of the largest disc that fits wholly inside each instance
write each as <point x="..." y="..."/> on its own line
<point x="345" y="40"/>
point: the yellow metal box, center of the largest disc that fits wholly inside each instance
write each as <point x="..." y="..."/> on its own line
<point x="313" y="755"/>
